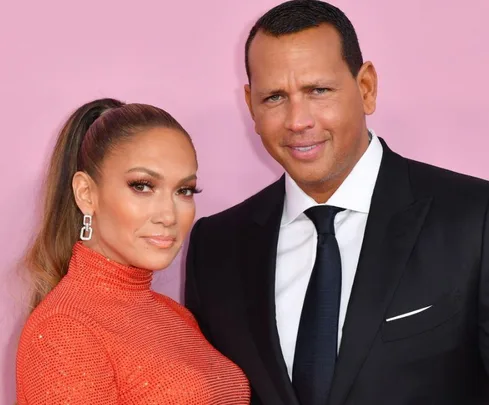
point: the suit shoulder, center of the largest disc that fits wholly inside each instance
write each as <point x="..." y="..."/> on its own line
<point x="436" y="180"/>
<point x="244" y="209"/>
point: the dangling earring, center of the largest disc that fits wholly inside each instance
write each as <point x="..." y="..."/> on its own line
<point x="86" y="231"/>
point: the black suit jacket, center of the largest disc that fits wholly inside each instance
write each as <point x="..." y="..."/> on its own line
<point x="426" y="244"/>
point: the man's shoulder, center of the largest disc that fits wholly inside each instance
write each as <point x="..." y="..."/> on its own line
<point x="438" y="180"/>
<point x="249" y="207"/>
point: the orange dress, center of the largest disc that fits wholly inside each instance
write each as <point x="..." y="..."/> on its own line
<point x="102" y="337"/>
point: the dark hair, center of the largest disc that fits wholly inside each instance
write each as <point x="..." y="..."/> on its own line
<point x="90" y="132"/>
<point x="298" y="15"/>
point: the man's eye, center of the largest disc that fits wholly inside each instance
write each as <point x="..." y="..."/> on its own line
<point x="320" y="90"/>
<point x="274" y="98"/>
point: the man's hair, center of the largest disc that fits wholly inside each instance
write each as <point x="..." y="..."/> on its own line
<point x="298" y="15"/>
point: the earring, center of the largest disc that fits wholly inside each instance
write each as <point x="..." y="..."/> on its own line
<point x="86" y="231"/>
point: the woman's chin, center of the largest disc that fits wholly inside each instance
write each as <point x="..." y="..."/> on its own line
<point x="156" y="263"/>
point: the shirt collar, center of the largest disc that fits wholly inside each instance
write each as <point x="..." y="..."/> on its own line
<point x="355" y="193"/>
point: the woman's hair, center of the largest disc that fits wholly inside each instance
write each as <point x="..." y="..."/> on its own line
<point x="89" y="134"/>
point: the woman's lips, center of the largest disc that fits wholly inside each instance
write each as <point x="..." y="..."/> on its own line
<point x="162" y="242"/>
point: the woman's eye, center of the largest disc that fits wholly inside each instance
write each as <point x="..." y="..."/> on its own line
<point x="188" y="191"/>
<point x="141" y="187"/>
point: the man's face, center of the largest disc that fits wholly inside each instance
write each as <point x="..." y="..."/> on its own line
<point x="308" y="108"/>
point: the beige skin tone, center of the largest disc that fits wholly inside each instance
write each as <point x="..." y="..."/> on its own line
<point x="302" y="92"/>
<point x="145" y="191"/>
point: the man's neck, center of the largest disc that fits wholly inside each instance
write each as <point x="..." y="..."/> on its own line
<point x="323" y="191"/>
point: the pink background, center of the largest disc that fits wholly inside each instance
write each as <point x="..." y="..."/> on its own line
<point x="187" y="57"/>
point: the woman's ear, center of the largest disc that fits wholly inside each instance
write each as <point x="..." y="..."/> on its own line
<point x="85" y="193"/>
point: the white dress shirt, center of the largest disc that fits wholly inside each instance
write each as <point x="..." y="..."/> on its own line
<point x="296" y="250"/>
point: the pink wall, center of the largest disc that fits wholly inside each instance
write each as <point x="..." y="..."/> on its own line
<point x="432" y="58"/>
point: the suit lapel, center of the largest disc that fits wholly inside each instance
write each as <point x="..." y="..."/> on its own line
<point x="394" y="222"/>
<point x="258" y="269"/>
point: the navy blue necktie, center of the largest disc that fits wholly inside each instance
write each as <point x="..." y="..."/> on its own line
<point x="317" y="338"/>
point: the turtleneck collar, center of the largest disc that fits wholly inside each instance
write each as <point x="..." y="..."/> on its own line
<point x="91" y="268"/>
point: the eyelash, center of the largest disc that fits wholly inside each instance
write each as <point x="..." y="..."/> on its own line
<point x="193" y="190"/>
<point x="182" y="190"/>
<point x="135" y="183"/>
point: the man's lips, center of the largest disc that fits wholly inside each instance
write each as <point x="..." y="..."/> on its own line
<point x="306" y="150"/>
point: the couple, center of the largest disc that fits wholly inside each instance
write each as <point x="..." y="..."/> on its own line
<point x="360" y="277"/>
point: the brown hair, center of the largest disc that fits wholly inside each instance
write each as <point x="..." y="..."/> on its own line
<point x="90" y="132"/>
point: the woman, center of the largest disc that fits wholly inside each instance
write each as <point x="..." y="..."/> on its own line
<point x="121" y="179"/>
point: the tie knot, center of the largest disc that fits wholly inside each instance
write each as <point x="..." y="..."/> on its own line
<point x="323" y="218"/>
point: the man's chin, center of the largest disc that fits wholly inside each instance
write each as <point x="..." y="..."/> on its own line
<point x="311" y="180"/>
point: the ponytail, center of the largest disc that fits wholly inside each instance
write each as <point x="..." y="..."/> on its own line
<point x="48" y="257"/>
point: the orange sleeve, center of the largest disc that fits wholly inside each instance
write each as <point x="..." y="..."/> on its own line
<point x="62" y="361"/>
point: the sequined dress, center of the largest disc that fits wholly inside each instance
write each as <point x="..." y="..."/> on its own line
<point x="102" y="336"/>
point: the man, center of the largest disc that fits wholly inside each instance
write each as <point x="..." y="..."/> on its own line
<point x="360" y="277"/>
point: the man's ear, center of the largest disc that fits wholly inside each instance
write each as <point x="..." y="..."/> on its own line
<point x="367" y="84"/>
<point x="247" y="90"/>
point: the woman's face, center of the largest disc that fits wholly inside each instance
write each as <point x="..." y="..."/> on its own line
<point x="143" y="204"/>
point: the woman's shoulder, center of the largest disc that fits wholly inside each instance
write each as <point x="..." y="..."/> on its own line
<point x="58" y="317"/>
<point x="61" y="303"/>
<point x="58" y="348"/>
<point x="179" y="309"/>
<point x="170" y="302"/>
<point x="58" y="320"/>
<point x="55" y="330"/>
